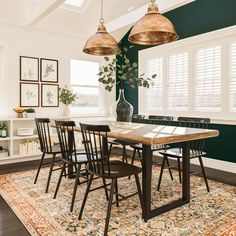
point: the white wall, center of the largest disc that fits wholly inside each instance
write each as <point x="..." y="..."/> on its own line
<point x="17" y="42"/>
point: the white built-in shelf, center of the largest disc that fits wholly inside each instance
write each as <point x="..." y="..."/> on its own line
<point x="5" y="139"/>
<point x="25" y="137"/>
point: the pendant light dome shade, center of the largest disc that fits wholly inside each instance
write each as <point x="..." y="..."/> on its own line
<point x="153" y="29"/>
<point x="101" y="43"/>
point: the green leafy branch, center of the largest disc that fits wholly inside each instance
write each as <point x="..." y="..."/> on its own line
<point x="125" y="71"/>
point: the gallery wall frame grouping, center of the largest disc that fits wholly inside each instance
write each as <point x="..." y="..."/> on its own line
<point x="32" y="88"/>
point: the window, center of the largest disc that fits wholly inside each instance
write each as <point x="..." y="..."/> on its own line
<point x="208" y="79"/>
<point x="84" y="81"/>
<point x="232" y="76"/>
<point x="154" y="94"/>
<point x="196" y="77"/>
<point x="178" y="82"/>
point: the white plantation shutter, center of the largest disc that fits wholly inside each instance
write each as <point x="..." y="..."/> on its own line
<point x="153" y="96"/>
<point x="178" y="82"/>
<point x="208" y="79"/>
<point x="232" y="74"/>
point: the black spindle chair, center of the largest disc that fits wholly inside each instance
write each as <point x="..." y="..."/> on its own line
<point x="46" y="147"/>
<point x="70" y="156"/>
<point x="99" y="164"/>
<point x="196" y="148"/>
<point x="124" y="143"/>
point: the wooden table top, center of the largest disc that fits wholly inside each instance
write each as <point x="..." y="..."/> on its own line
<point x="153" y="134"/>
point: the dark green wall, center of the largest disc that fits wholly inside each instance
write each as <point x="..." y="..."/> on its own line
<point x="192" y="19"/>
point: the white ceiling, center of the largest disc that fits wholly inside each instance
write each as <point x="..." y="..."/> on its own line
<point x="51" y="16"/>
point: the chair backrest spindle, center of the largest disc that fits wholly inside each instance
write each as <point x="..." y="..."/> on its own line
<point x="96" y="147"/>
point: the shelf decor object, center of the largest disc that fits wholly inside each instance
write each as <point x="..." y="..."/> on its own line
<point x="67" y="97"/>
<point x="29" y="95"/>
<point x="101" y="43"/>
<point x="49" y="70"/>
<point x="29" y="69"/>
<point x="49" y="95"/>
<point x="153" y="28"/>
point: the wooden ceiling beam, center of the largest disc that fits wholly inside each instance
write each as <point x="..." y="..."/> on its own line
<point x="41" y="10"/>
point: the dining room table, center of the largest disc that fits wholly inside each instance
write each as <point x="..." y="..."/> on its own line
<point x="148" y="135"/>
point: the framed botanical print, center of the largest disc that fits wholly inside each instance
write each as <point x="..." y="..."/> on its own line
<point x="29" y="95"/>
<point x="29" y="69"/>
<point x="49" y="70"/>
<point x="49" y="95"/>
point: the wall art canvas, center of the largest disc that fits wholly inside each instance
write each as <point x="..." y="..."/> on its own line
<point x="29" y="69"/>
<point x="49" y="70"/>
<point x="50" y="95"/>
<point x="29" y="95"/>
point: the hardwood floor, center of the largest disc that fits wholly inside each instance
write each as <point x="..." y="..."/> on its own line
<point x="10" y="225"/>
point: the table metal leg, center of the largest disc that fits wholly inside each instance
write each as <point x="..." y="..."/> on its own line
<point x="186" y="172"/>
<point x="146" y="183"/>
<point x="147" y="179"/>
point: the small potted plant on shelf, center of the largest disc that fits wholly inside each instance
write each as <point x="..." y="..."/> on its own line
<point x="30" y="112"/>
<point x="67" y="97"/>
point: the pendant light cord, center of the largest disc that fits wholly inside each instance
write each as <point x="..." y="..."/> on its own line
<point x="102" y="19"/>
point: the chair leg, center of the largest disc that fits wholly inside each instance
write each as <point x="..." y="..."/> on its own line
<point x="39" y="168"/>
<point x="105" y="188"/>
<point x="204" y="173"/>
<point x="179" y="169"/>
<point x="124" y="159"/>
<point x="140" y="197"/>
<point x="109" y="206"/>
<point x="78" y="170"/>
<point x="117" y="197"/>
<point x="59" y="180"/>
<point x="85" y="196"/>
<point x="50" y="172"/>
<point x="133" y="157"/>
<point x="161" y="172"/>
<point x="168" y="164"/>
<point x="75" y="188"/>
<point x="109" y="153"/>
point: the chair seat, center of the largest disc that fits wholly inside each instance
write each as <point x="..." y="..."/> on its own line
<point x="177" y="153"/>
<point x="80" y="158"/>
<point x="155" y="147"/>
<point x="119" y="169"/>
<point x="55" y="150"/>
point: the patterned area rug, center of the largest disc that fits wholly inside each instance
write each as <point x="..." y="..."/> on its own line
<point x="208" y="214"/>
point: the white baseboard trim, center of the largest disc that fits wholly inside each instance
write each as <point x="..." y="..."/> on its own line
<point x="217" y="164"/>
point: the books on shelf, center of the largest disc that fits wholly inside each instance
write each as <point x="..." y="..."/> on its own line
<point x="29" y="148"/>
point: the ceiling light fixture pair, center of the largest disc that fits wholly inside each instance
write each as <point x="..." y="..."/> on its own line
<point x="152" y="29"/>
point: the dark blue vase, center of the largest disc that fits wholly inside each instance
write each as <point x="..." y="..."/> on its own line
<point x="124" y="110"/>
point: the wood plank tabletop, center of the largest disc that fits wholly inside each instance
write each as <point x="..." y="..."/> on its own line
<point x="153" y="134"/>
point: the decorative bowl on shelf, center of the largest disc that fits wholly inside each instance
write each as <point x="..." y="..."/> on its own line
<point x="19" y="111"/>
<point x="25" y="131"/>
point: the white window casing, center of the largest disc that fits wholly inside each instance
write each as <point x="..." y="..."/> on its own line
<point x="197" y="76"/>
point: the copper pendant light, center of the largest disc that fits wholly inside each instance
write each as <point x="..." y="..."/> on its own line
<point x="101" y="43"/>
<point x="153" y="28"/>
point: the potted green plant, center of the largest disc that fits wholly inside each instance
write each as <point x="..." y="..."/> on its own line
<point x="30" y="112"/>
<point x="126" y="74"/>
<point x="67" y="97"/>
